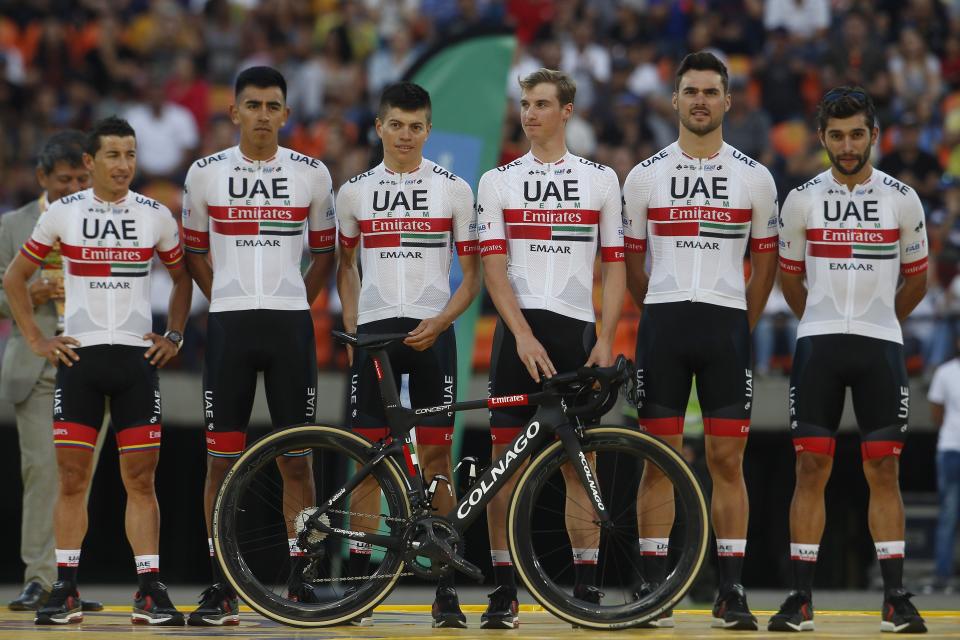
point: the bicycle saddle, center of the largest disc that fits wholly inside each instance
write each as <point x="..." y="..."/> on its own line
<point x="368" y="340"/>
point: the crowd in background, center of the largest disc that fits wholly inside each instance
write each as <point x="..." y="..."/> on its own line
<point x="168" y="67"/>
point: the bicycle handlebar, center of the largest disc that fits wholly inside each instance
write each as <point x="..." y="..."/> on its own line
<point x="602" y="383"/>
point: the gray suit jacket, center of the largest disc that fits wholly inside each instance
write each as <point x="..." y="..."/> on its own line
<point x="21" y="368"/>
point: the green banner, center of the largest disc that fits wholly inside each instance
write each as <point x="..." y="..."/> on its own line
<point x="467" y="80"/>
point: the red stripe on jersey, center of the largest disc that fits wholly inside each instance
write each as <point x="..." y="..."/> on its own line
<point x="34" y="251"/>
<point x="94" y="269"/>
<point x="671" y="426"/>
<point x="74" y="434"/>
<point x="406" y="225"/>
<point x="254" y="213"/>
<point x="236" y="228"/>
<point x="468" y="248"/>
<point x="611" y="254"/>
<point x="349" y="242"/>
<point x="225" y="443"/>
<point x="551" y="216"/>
<point x="676" y="229"/>
<point x="133" y="439"/>
<point x="442" y="436"/>
<point x="697" y="213"/>
<point x="913" y="268"/>
<point x="635" y="245"/>
<point x="196" y="239"/>
<point x="377" y="240"/>
<point x="528" y="232"/>
<point x="763" y="245"/>
<point x="321" y="239"/>
<point x="854" y="236"/>
<point x="792" y="266"/>
<point x="830" y="250"/>
<point x="105" y="254"/>
<point x="490" y="247"/>
<point x="171" y="257"/>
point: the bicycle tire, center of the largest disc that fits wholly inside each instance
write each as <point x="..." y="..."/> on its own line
<point x="532" y="535"/>
<point x="241" y="486"/>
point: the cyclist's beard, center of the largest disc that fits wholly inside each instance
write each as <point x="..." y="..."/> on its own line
<point x="861" y="162"/>
<point x="700" y="129"/>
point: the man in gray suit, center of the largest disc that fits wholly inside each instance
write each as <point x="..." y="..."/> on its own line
<point x="27" y="380"/>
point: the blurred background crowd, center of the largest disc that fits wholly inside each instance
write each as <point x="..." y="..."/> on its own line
<point x="168" y="67"/>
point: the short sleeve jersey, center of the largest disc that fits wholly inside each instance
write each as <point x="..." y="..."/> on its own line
<point x="107" y="248"/>
<point x="251" y="215"/>
<point x="407" y="226"/>
<point x="852" y="244"/>
<point x="549" y="219"/>
<point x="695" y="215"/>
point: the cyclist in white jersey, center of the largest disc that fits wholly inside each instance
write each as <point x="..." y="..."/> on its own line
<point x="107" y="237"/>
<point x="246" y="211"/>
<point x="542" y="219"/>
<point x="853" y="261"/>
<point x="698" y="205"/>
<point x="405" y="218"/>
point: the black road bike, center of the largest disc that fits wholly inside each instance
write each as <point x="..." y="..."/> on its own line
<point x="253" y="538"/>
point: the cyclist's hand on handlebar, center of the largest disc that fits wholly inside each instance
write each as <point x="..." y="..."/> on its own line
<point x="426" y="333"/>
<point x="534" y="357"/>
<point x="601" y="355"/>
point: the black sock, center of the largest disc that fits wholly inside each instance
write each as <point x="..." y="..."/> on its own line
<point x="448" y="581"/>
<point x="730" y="569"/>
<point x="803" y="575"/>
<point x="503" y="576"/>
<point x="891" y="569"/>
<point x="358" y="565"/>
<point x="653" y="568"/>
<point x="144" y="579"/>
<point x="585" y="573"/>
<point x="67" y="574"/>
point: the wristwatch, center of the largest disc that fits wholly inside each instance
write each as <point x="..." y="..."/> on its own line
<point x="175" y="337"/>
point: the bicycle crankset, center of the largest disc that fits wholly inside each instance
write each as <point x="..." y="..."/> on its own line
<point x="433" y="549"/>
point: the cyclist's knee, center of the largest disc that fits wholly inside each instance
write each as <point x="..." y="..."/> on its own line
<point x="294" y="469"/>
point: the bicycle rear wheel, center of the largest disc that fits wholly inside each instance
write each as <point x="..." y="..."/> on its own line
<point x="252" y="525"/>
<point x="540" y="519"/>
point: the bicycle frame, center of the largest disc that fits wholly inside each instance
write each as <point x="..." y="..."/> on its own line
<point x="549" y="420"/>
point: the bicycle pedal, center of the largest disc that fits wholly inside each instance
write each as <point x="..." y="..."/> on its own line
<point x="435" y="484"/>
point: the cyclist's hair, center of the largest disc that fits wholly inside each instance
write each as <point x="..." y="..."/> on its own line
<point x="566" y="86"/>
<point x="845" y="102"/>
<point x="111" y="126"/>
<point x="405" y="96"/>
<point x="702" y="61"/>
<point x="64" y="146"/>
<point x="260" y="77"/>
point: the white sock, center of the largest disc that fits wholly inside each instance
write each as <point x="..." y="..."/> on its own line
<point x="804" y="552"/>
<point x="731" y="547"/>
<point x="147" y="563"/>
<point x="500" y="558"/>
<point x="654" y="546"/>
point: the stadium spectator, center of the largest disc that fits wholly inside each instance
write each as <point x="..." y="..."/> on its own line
<point x="911" y="164"/>
<point x="167" y="138"/>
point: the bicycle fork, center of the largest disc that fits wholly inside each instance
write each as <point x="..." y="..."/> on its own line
<point x="588" y="477"/>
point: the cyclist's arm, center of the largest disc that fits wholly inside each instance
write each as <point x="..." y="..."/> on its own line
<point x="763" y="271"/>
<point x="198" y="266"/>
<point x="531" y="352"/>
<point x="636" y="195"/>
<point x="913" y="255"/>
<point x="613" y="276"/>
<point x="317" y="274"/>
<point x="348" y="285"/>
<point x="637" y="278"/>
<point x="196" y="231"/>
<point x="321" y="234"/>
<point x="792" y="251"/>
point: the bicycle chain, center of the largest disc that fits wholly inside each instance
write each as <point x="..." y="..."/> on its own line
<point x="368" y="515"/>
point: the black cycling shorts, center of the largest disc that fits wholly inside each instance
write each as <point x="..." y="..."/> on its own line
<point x="117" y="373"/>
<point x="432" y="382"/>
<point x="239" y="345"/>
<point x="680" y="341"/>
<point x="568" y="342"/>
<point x="823" y="367"/>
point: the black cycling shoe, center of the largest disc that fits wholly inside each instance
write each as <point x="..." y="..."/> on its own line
<point x="899" y="614"/>
<point x="503" y="610"/>
<point x="587" y="593"/>
<point x="446" y="610"/>
<point x="153" y="606"/>
<point x="219" y="607"/>
<point x="664" y="619"/>
<point x="731" y="611"/>
<point x="795" y="614"/>
<point x="62" y="607"/>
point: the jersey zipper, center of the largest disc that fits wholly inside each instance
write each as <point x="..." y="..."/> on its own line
<point x="258" y="249"/>
<point x="848" y="311"/>
<point x="697" y="252"/>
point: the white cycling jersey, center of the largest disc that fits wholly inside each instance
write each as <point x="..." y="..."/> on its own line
<point x="107" y="248"/>
<point x="408" y="225"/>
<point x="852" y="244"/>
<point x="250" y="215"/>
<point x="549" y="218"/>
<point x="696" y="215"/>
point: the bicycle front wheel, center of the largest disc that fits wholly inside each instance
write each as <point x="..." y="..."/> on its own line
<point x="559" y="550"/>
<point x="255" y="524"/>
